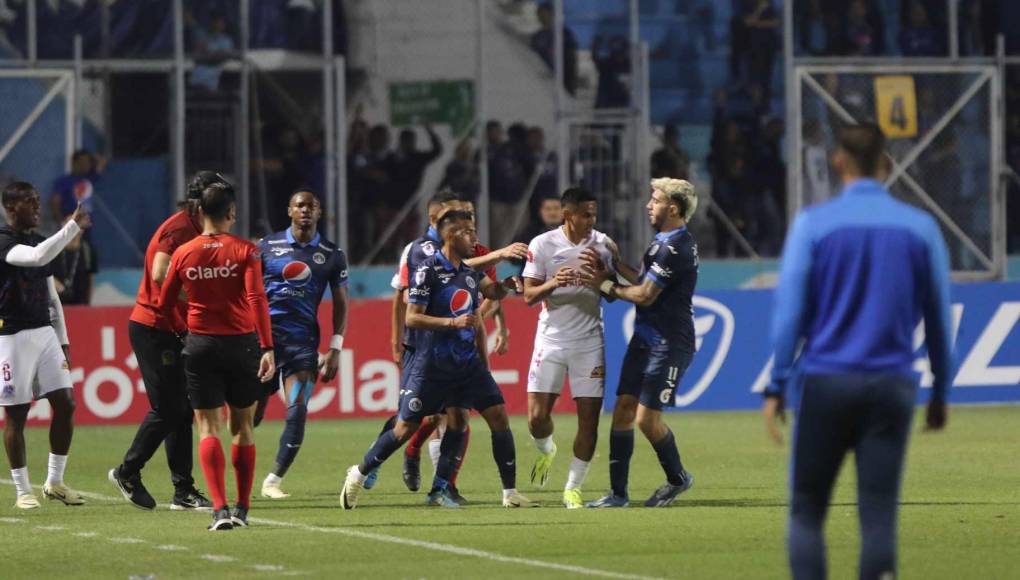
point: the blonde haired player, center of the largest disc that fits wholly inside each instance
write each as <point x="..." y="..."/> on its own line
<point x="569" y="341"/>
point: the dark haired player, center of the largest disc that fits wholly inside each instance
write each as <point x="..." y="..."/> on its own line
<point x="414" y="253"/>
<point x="157" y="346"/>
<point x="34" y="351"/>
<point x="222" y="277"/>
<point x="297" y="266"/>
<point x="445" y="371"/>
<point x="662" y="346"/>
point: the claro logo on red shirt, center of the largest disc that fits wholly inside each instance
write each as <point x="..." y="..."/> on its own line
<point x="227" y="270"/>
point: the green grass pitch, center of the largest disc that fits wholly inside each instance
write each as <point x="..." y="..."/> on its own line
<point x="960" y="516"/>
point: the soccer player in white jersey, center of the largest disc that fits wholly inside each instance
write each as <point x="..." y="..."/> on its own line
<point x="569" y="341"/>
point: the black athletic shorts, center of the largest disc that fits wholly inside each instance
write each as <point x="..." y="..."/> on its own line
<point x="222" y="368"/>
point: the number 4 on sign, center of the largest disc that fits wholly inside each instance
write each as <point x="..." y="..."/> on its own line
<point x="896" y="104"/>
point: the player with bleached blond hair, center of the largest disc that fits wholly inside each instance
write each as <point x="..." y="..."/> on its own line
<point x="662" y="346"/>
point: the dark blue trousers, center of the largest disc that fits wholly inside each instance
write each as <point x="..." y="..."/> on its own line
<point x="869" y="414"/>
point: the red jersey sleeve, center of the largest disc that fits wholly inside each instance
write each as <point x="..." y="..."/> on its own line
<point x="256" y="296"/>
<point x="171" y="289"/>
<point x="481" y="250"/>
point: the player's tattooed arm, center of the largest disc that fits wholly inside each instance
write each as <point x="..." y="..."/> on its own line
<point x="494" y="291"/>
<point x="643" y="294"/>
<point x="416" y="318"/>
<point x="515" y="251"/>
<point x="630" y="274"/>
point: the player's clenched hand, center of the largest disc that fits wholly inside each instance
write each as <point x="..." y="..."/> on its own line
<point x="67" y="354"/>
<point x="592" y="260"/>
<point x="398" y="352"/>
<point x="464" y="321"/>
<point x="774" y="414"/>
<point x="565" y="276"/>
<point x="267" y="366"/>
<point x="515" y="251"/>
<point x="502" y="342"/>
<point x="81" y="217"/>
<point x="329" y="365"/>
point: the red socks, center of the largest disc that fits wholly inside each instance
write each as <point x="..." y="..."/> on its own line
<point x="420" y="437"/>
<point x="243" y="457"/>
<point x="214" y="464"/>
<point x="463" y="454"/>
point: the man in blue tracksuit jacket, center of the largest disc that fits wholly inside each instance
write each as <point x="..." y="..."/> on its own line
<point x="858" y="274"/>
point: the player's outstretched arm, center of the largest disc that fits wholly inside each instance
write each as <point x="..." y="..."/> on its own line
<point x="515" y="251"/>
<point x="44" y="253"/>
<point x="630" y="274"/>
<point x="643" y="294"/>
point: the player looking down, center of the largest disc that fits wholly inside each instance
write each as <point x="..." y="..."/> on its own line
<point x="445" y="371"/>
<point x="662" y="345"/>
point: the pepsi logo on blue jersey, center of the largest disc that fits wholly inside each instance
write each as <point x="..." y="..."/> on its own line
<point x="446" y="292"/>
<point x="296" y="276"/>
<point x="672" y="263"/>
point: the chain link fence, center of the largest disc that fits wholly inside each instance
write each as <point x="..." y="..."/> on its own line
<point x="942" y="142"/>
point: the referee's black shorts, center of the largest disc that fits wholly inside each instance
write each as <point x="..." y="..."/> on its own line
<point x="222" y="368"/>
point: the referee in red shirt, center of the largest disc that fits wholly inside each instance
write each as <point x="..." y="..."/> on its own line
<point x="222" y="277"/>
<point x="157" y="346"/>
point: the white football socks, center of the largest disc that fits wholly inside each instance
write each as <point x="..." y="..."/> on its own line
<point x="21" y="484"/>
<point x="434" y="452"/>
<point x="544" y="445"/>
<point x="55" y="469"/>
<point x="578" y="472"/>
<point x="272" y="479"/>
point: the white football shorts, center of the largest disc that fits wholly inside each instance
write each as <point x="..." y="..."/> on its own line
<point x="32" y="365"/>
<point x="551" y="363"/>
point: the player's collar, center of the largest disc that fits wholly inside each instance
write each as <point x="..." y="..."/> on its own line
<point x="292" y="240"/>
<point x="449" y="265"/>
<point x="663" y="236"/>
<point x="864" y="185"/>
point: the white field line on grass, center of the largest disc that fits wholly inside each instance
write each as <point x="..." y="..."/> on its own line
<point x="433" y="546"/>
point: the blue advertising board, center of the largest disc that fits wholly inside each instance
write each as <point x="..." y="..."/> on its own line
<point x="734" y="359"/>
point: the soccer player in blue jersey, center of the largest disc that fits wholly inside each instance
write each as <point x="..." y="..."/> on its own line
<point x="859" y="273"/>
<point x="298" y="264"/>
<point x="445" y="371"/>
<point x="662" y="345"/>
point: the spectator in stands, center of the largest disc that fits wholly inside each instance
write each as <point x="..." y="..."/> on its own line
<point x="727" y="164"/>
<point x="303" y="26"/>
<point x="670" y="160"/>
<point x="212" y="46"/>
<point x="544" y="43"/>
<point x="548" y="215"/>
<point x="76" y="187"/>
<point x="508" y="177"/>
<point x="407" y="165"/>
<point x="769" y="171"/>
<point x="613" y="66"/>
<point x="979" y="21"/>
<point x="865" y="35"/>
<point x="810" y="26"/>
<point x="461" y="173"/>
<point x="541" y="165"/>
<point x="763" y="23"/>
<point x="919" y="37"/>
<point x="74" y="270"/>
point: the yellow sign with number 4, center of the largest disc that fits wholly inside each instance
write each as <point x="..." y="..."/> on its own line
<point x="896" y="104"/>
